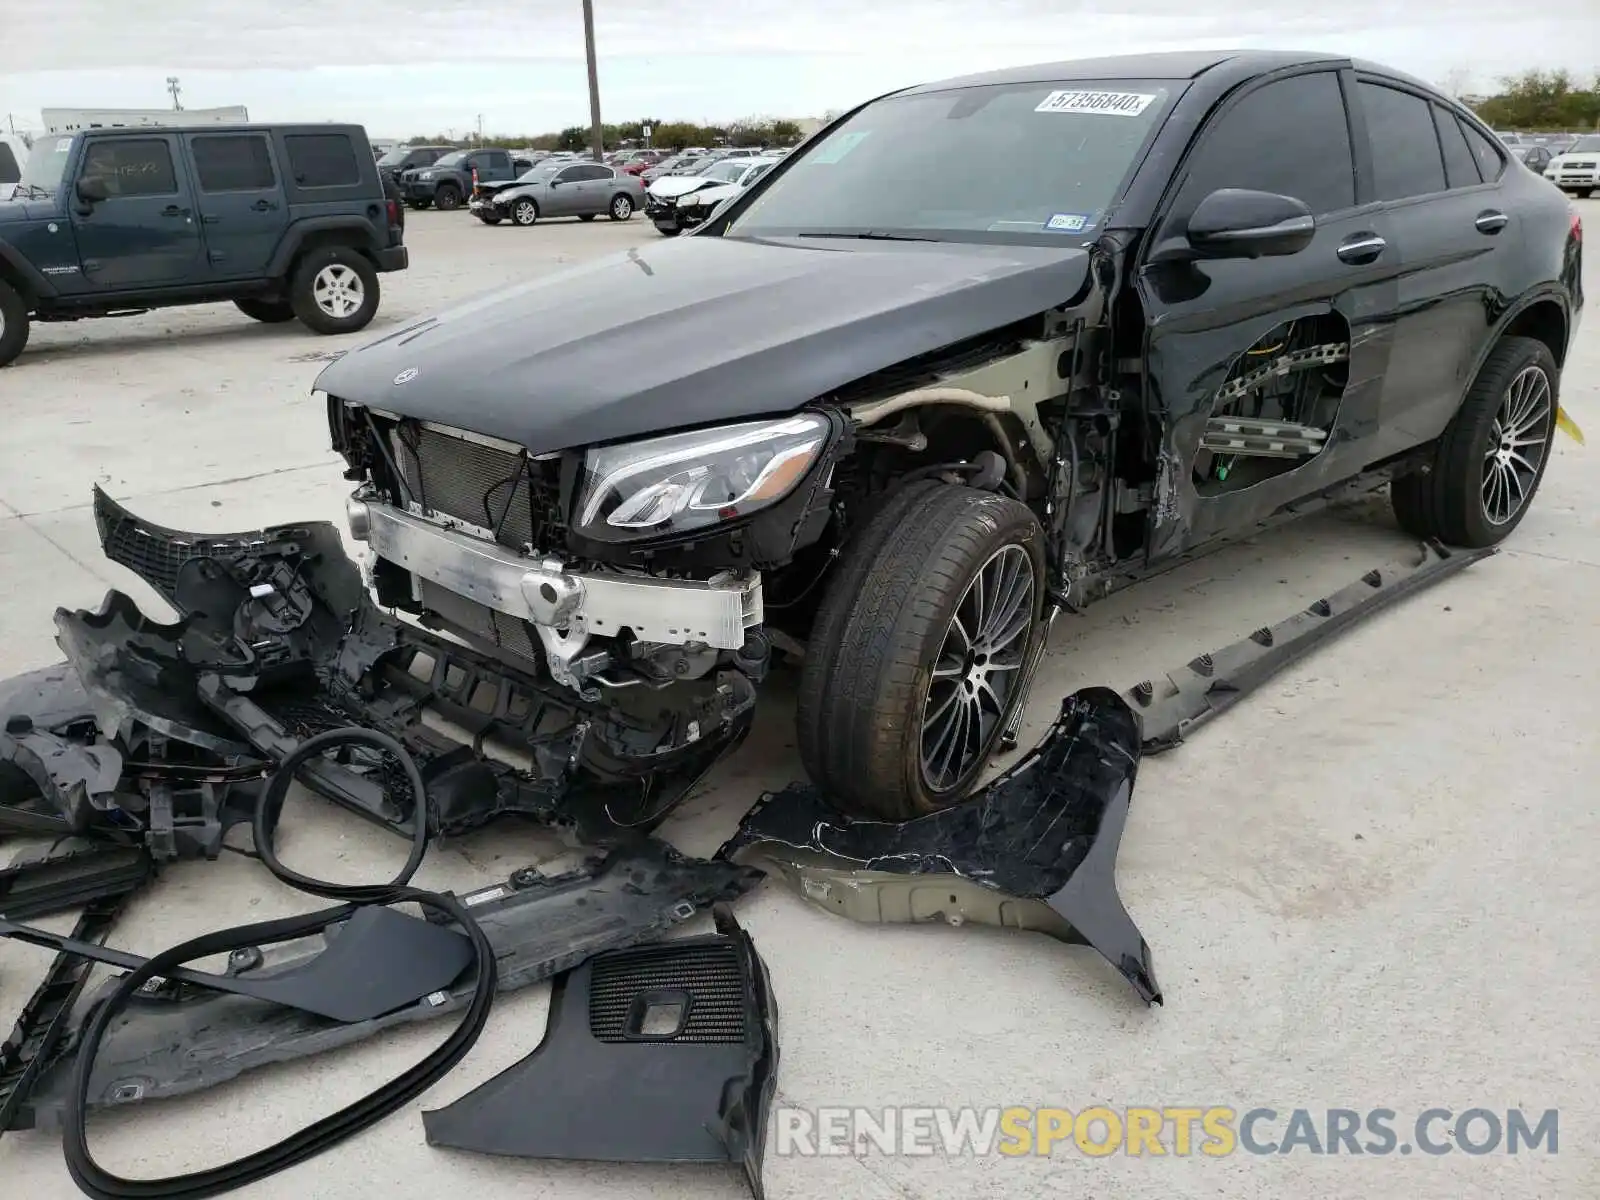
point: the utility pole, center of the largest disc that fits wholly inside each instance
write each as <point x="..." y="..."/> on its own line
<point x="597" y="137"/>
<point x="172" y="86"/>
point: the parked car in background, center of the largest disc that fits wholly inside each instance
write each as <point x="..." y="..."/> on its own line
<point x="13" y="154"/>
<point x="679" y="164"/>
<point x="448" y="182"/>
<point x="286" y="221"/>
<point x="566" y="189"/>
<point x="681" y="202"/>
<point x="1577" y="168"/>
<point x="637" y="162"/>
<point x="398" y="161"/>
<point x="1535" y="157"/>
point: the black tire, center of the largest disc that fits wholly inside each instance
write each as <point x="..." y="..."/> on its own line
<point x="268" y="312"/>
<point x="419" y="205"/>
<point x="586" y="216"/>
<point x="1450" y="498"/>
<point x="524" y="211"/>
<point x="447" y="197"/>
<point x="668" y="230"/>
<point x="489" y="218"/>
<point x="874" y="646"/>
<point x="1583" y="193"/>
<point x="14" y="326"/>
<point x="621" y="207"/>
<point x="306" y="296"/>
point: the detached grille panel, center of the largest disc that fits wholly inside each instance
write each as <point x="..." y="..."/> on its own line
<point x="708" y="976"/>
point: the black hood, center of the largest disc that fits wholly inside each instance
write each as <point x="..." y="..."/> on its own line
<point x="694" y="331"/>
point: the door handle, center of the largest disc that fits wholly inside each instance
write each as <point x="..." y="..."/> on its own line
<point x="264" y="206"/>
<point x="172" y="210"/>
<point x="211" y="218"/>
<point x="1361" y="248"/>
<point x="1490" y="221"/>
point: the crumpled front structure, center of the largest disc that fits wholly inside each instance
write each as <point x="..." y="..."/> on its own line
<point x="1036" y="849"/>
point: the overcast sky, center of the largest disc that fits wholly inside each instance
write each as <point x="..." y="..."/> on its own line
<point x="405" y="67"/>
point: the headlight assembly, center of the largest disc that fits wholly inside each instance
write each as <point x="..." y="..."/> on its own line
<point x="687" y="481"/>
<point x="426" y="175"/>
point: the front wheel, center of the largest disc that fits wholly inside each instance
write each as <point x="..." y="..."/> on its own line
<point x="586" y="217"/>
<point x="13" y="323"/>
<point x="334" y="290"/>
<point x="668" y="230"/>
<point x="1583" y="193"/>
<point x="448" y="198"/>
<point x="918" y="655"/>
<point x="489" y="218"/>
<point x="621" y="207"/>
<point x="524" y="212"/>
<point x="1492" y="456"/>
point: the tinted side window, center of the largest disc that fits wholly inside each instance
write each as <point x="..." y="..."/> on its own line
<point x="1406" y="160"/>
<point x="233" y="164"/>
<point x="1289" y="137"/>
<point x="322" y="160"/>
<point x="1460" y="168"/>
<point x="132" y="167"/>
<point x="499" y="160"/>
<point x="9" y="171"/>
<point x="1491" y="159"/>
<point x="599" y="173"/>
<point x="570" y="175"/>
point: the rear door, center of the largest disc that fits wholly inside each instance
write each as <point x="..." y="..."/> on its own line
<point x="1451" y="229"/>
<point x="1299" y="342"/>
<point x="243" y="213"/>
<point x="146" y="232"/>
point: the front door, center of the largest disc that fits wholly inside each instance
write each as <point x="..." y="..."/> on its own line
<point x="146" y="232"/>
<point x="1266" y="375"/>
<point x="565" y="193"/>
<point x="242" y="209"/>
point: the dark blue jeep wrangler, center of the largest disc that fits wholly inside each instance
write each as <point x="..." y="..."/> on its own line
<point x="286" y="221"/>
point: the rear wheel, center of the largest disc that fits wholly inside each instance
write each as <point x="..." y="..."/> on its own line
<point x="335" y="290"/>
<point x="268" y="312"/>
<point x="13" y="323"/>
<point x="524" y="212"/>
<point x="586" y="216"/>
<point x="918" y="653"/>
<point x="448" y="197"/>
<point x="621" y="207"/>
<point x="1493" y="454"/>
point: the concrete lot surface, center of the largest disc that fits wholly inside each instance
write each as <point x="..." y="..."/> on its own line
<point x="1370" y="886"/>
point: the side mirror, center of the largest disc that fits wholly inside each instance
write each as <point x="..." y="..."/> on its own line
<point x="555" y="183"/>
<point x="92" y="191"/>
<point x="1239" y="223"/>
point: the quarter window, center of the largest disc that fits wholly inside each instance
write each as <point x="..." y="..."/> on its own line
<point x="233" y="164"/>
<point x="1290" y="137"/>
<point x="1491" y="159"/>
<point x="319" y="160"/>
<point x="132" y="167"/>
<point x="1406" y="159"/>
<point x="1460" y="167"/>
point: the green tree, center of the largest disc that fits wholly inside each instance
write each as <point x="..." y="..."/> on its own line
<point x="1538" y="99"/>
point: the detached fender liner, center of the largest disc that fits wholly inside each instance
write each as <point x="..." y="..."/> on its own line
<point x="663" y="1053"/>
<point x="1036" y="849"/>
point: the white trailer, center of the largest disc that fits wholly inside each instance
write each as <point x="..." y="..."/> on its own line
<point x="71" y="120"/>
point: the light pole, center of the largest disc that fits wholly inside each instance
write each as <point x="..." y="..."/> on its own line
<point x="172" y="86"/>
<point x="597" y="139"/>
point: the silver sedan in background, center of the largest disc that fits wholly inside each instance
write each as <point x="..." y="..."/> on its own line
<point x="569" y="189"/>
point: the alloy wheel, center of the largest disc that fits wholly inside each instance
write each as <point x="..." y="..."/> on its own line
<point x="978" y="668"/>
<point x="526" y="213"/>
<point x="622" y="208"/>
<point x="1518" y="441"/>
<point x="338" y="291"/>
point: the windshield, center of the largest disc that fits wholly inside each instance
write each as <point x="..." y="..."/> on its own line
<point x="453" y="159"/>
<point x="394" y="158"/>
<point x="1585" y="145"/>
<point x="727" y="171"/>
<point x="1000" y="162"/>
<point x="46" y="167"/>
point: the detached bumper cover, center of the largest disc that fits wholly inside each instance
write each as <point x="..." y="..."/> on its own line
<point x="1036" y="849"/>
<point x="606" y="1085"/>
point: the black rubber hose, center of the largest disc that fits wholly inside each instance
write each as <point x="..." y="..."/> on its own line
<point x="95" y="1181"/>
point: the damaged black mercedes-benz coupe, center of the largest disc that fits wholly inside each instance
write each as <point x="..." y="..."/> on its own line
<point x="890" y="416"/>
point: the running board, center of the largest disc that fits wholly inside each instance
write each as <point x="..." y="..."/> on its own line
<point x="1213" y="683"/>
<point x="1261" y="439"/>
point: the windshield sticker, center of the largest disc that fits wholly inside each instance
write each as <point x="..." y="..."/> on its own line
<point x="837" y="147"/>
<point x="1068" y="222"/>
<point x="1109" y="104"/>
